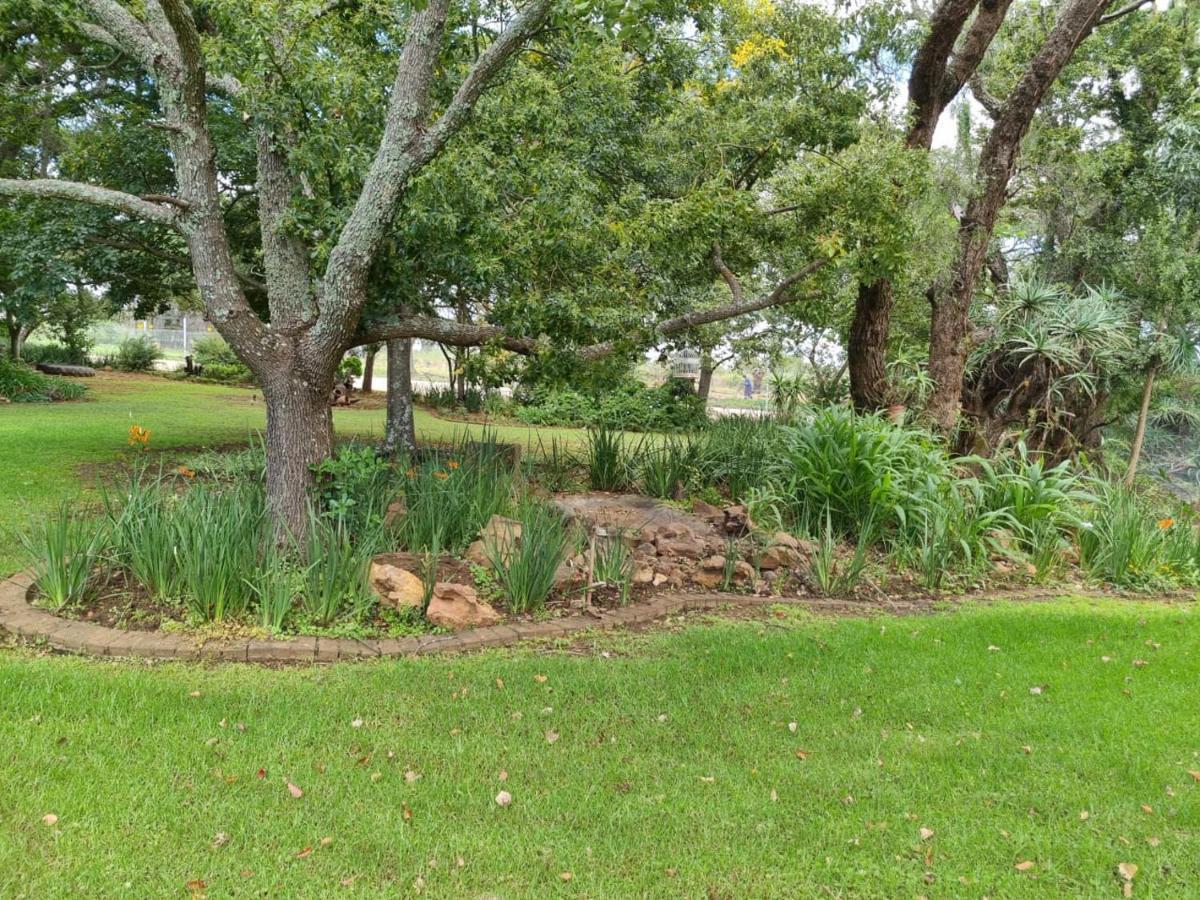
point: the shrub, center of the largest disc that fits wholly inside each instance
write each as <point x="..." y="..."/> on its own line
<point x="275" y="585"/>
<point x="1124" y="542"/>
<point x="609" y="460"/>
<point x="356" y="486"/>
<point x="225" y="374"/>
<point x="143" y="534"/>
<point x="136" y="354"/>
<point x="33" y="354"/>
<point x="219" y="362"/>
<point x="526" y="572"/>
<point x="736" y="452"/>
<point x="64" y="549"/>
<point x="218" y="535"/>
<point x="667" y="469"/>
<point x="21" y="384"/>
<point x="630" y="405"/>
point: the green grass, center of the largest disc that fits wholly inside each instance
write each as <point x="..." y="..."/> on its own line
<point x="662" y="781"/>
<point x="55" y="451"/>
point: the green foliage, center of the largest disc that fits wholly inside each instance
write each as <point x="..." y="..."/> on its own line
<point x="526" y="572"/>
<point x="614" y="565"/>
<point x="64" y="549"/>
<point x="21" y="384"/>
<point x="275" y="583"/>
<point x="451" y="495"/>
<point x="356" y="485"/>
<point x="667" y="469"/>
<point x="736" y="452"/>
<point x="219" y="362"/>
<point x="351" y="365"/>
<point x="218" y="537"/>
<point x="142" y="525"/>
<point x="1124" y="541"/>
<point x="630" y="406"/>
<point x="32" y="354"/>
<point x="137" y="354"/>
<point x="609" y="459"/>
<point x="337" y="579"/>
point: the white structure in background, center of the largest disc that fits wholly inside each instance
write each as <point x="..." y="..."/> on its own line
<point x="175" y="332"/>
<point x="685" y="365"/>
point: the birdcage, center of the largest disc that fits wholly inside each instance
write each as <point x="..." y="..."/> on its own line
<point x="685" y="364"/>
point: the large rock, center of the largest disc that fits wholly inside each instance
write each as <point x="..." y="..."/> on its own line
<point x="681" y="548"/>
<point x="396" y="586"/>
<point x="708" y="512"/>
<point x="777" y="556"/>
<point x="737" y="520"/>
<point x="457" y="606"/>
<point x="500" y="537"/>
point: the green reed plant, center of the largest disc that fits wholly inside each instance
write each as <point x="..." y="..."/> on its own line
<point x="734" y="453"/>
<point x="832" y="574"/>
<point x="667" y="469"/>
<point x="337" y="577"/>
<point x="218" y="539"/>
<point x="556" y="466"/>
<point x="526" y="572"/>
<point x="1125" y="542"/>
<point x="64" y="548"/>
<point x="275" y="584"/>
<point x="614" y="565"/>
<point x="143" y="534"/>
<point x="449" y="498"/>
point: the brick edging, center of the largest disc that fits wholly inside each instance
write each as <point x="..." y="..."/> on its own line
<point x="21" y="618"/>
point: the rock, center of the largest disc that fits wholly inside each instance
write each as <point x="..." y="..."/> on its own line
<point x="716" y="563"/>
<point x="500" y="536"/>
<point x="681" y="548"/>
<point x="397" y="587"/>
<point x="783" y="539"/>
<point x="660" y="578"/>
<point x="737" y="520"/>
<point x="646" y="550"/>
<point x="777" y="556"/>
<point x="565" y="574"/>
<point x="708" y="578"/>
<point x="708" y="511"/>
<point x="644" y="576"/>
<point x="477" y="554"/>
<point x="457" y="606"/>
<point x="743" y="572"/>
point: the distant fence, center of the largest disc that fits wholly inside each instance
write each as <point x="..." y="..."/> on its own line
<point x="175" y="336"/>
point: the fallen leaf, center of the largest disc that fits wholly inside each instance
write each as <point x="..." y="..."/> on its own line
<point x="1106" y="659"/>
<point x="1195" y="774"/>
<point x="196" y="886"/>
<point x="348" y="881"/>
<point x="1083" y="816"/>
<point x="375" y="776"/>
<point x="540" y="679"/>
<point x="774" y="796"/>
<point x="926" y="833"/>
<point x="565" y="876"/>
<point x="410" y="776"/>
<point x="194" y="694"/>
<point x="662" y="717"/>
<point x="1127" y="871"/>
<point x="357" y="723"/>
<point x="407" y="814"/>
<point x="801" y="754"/>
<point x="1139" y="663"/>
<point x="261" y="773"/>
<point x="305" y="853"/>
<point x="326" y="841"/>
<point x="707" y="779"/>
<point x="1024" y="866"/>
<point x="1026" y="749"/>
<point x="220" y="839"/>
<point x="793" y="727"/>
<point x="503" y="775"/>
<point x="504" y="798"/>
<point x="49" y="819"/>
<point x="500" y="683"/>
<point x="1153" y="841"/>
<point x="1036" y="689"/>
<point x="294" y="791"/>
<point x="247" y="873"/>
<point x="1147" y="808"/>
<point x="551" y="736"/>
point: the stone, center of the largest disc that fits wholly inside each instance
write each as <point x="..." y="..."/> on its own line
<point x="396" y="586"/>
<point x="457" y="606"/>
<point x="716" y="563"/>
<point x="565" y="574"/>
<point x="707" y="511"/>
<point x="644" y="576"/>
<point x="477" y="554"/>
<point x="681" y="548"/>
<point x="500" y="536"/>
<point x="777" y="556"/>
<point x="737" y="520"/>
<point x="660" y="578"/>
<point x="708" y="578"/>
<point x="646" y="549"/>
<point x="783" y="539"/>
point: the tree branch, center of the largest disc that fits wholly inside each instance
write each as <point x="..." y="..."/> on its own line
<point x="970" y="51"/>
<point x="1123" y="11"/>
<point x="57" y="189"/>
<point x="929" y="68"/>
<point x="117" y="27"/>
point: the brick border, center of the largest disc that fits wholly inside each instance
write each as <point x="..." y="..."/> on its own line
<point x="21" y="618"/>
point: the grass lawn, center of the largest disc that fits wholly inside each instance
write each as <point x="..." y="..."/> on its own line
<point x="50" y="451"/>
<point x="674" y="772"/>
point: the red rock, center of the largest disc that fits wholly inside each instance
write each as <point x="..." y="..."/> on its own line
<point x="457" y="606"/>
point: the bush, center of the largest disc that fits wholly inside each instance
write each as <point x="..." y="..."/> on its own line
<point x="33" y="354"/>
<point x="610" y="462"/>
<point x="218" y="538"/>
<point x="218" y="362"/>
<point x="136" y="354"/>
<point x="351" y="365"/>
<point x="630" y="405"/>
<point x="735" y="453"/>
<point x="21" y="384"/>
<point x="356" y="487"/>
<point x="1125" y="542"/>
<point x="337" y="580"/>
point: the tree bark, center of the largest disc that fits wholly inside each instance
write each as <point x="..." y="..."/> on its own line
<point x="299" y="436"/>
<point x="369" y="371"/>
<point x="950" y="319"/>
<point x="944" y="63"/>
<point x="704" y="385"/>
<point x="1139" y="434"/>
<point x="866" y="352"/>
<point x="401" y="433"/>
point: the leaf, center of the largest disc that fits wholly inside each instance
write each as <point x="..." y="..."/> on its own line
<point x="1083" y="816"/>
<point x="793" y="727"/>
<point x="802" y="755"/>
<point x="220" y="839"/>
<point x="1139" y="663"/>
<point x="540" y="679"/>
<point x="305" y="853"/>
<point x="504" y="798"/>
<point x="411" y="777"/>
<point x="407" y="813"/>
<point x="774" y="795"/>
<point x="1024" y="866"/>
<point x="357" y="723"/>
<point x="49" y="819"/>
<point x="500" y="683"/>
<point x="1195" y="774"/>
<point x="261" y="773"/>
<point x="326" y="841"/>
<point x="1147" y="808"/>
<point x="194" y="694"/>
<point x="926" y="833"/>
<point x="565" y="876"/>
<point x="1127" y="871"/>
<point x="551" y="736"/>
<point x="294" y="791"/>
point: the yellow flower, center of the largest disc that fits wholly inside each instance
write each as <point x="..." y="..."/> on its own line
<point x="453" y="464"/>
<point x="1165" y="523"/>
<point x="138" y="436"/>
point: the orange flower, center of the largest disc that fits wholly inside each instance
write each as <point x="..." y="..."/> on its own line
<point x="411" y="473"/>
<point x="138" y="436"/>
<point x="1165" y="523"/>
<point x="453" y="464"/>
<point x="186" y="472"/>
<point x="441" y="475"/>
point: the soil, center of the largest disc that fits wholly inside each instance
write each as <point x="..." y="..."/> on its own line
<point x="121" y="602"/>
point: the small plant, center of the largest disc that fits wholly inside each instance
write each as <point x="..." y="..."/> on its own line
<point x="356" y="487"/>
<point x="614" y="566"/>
<point x="666" y="470"/>
<point x="337" y="578"/>
<point x="608" y="468"/>
<point x="275" y="585"/>
<point x="556" y="465"/>
<point x="527" y="571"/>
<point x="143" y="534"/>
<point x="64" y="549"/>
<point x="136" y="354"/>
<point x="833" y="576"/>
<point x="217" y="539"/>
<point x="21" y="384"/>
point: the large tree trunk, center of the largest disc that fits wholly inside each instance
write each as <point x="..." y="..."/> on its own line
<point x="867" y="350"/>
<point x="299" y="436"/>
<point x="1139" y="434"/>
<point x="369" y="370"/>
<point x="401" y="434"/>
<point x="950" y="320"/>
<point x="704" y="385"/>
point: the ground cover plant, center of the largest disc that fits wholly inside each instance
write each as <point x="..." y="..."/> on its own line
<point x="21" y="384"/>
<point x="1000" y="750"/>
